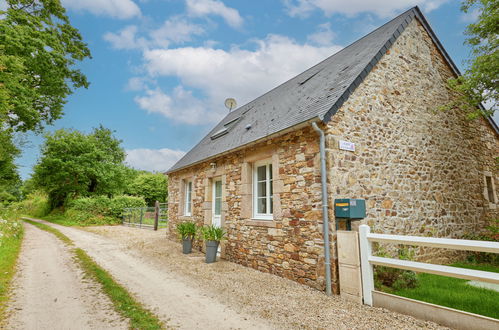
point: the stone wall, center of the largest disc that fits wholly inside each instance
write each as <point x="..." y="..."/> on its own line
<point x="291" y="245"/>
<point x="420" y="169"/>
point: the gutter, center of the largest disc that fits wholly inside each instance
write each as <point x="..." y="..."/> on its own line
<point x="325" y="215"/>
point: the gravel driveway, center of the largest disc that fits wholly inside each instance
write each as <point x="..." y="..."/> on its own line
<point x="267" y="300"/>
<point x="50" y="291"/>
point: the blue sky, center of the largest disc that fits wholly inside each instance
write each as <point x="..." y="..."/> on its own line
<point x="161" y="69"/>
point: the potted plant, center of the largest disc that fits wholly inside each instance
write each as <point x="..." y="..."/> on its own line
<point x="212" y="235"/>
<point x="186" y="231"/>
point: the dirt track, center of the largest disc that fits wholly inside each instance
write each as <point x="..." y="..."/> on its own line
<point x="177" y="303"/>
<point x="189" y="294"/>
<point x="50" y="291"/>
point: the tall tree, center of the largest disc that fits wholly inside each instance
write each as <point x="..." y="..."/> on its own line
<point x="75" y="164"/>
<point x="479" y="83"/>
<point x="152" y="186"/>
<point x="38" y="52"/>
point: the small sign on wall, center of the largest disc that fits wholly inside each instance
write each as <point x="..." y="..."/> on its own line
<point x="348" y="146"/>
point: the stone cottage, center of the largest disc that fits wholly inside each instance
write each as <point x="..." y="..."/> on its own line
<point x="421" y="171"/>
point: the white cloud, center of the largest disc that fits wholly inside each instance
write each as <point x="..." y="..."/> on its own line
<point x="177" y="30"/>
<point x="180" y="106"/>
<point x="126" y="38"/>
<point x="155" y="160"/>
<point x="173" y="30"/>
<point x="324" y="35"/>
<point x="201" y="8"/>
<point x="121" y="9"/>
<point x="218" y="74"/>
<point x="382" y="8"/>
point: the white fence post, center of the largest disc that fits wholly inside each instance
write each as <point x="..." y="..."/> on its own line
<point x="366" y="267"/>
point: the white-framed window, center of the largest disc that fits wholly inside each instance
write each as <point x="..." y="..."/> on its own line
<point x="262" y="190"/>
<point x="188" y="198"/>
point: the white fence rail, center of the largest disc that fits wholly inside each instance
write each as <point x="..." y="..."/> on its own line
<point x="366" y="238"/>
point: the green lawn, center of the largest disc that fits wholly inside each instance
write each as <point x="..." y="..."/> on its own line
<point x="11" y="234"/>
<point x="455" y="293"/>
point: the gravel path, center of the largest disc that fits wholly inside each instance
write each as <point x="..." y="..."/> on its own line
<point x="174" y="299"/>
<point x="50" y="291"/>
<point x="280" y="302"/>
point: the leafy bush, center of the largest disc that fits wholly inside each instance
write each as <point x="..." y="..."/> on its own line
<point x="491" y="234"/>
<point x="84" y="218"/>
<point x="35" y="205"/>
<point x="6" y="198"/>
<point x="186" y="230"/>
<point x="213" y="233"/>
<point x="394" y="278"/>
<point x="119" y="203"/>
<point x="104" y="206"/>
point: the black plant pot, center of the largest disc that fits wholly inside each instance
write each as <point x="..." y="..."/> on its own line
<point x="211" y="251"/>
<point x="187" y="245"/>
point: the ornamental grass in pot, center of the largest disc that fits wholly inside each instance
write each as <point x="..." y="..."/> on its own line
<point x="187" y="232"/>
<point x="212" y="235"/>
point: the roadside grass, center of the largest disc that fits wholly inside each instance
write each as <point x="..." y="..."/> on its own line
<point x="10" y="245"/>
<point x="456" y="293"/>
<point x="74" y="221"/>
<point x="140" y="317"/>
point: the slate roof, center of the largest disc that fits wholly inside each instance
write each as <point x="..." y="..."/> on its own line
<point x="316" y="93"/>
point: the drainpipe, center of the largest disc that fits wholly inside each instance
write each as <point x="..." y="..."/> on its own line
<point x="325" y="215"/>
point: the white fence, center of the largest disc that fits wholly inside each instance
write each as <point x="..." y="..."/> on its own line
<point x="366" y="238"/>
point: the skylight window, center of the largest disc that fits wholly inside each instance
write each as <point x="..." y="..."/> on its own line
<point x="224" y="130"/>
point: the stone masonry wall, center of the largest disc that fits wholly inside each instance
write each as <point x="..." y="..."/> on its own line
<point x="421" y="170"/>
<point x="291" y="245"/>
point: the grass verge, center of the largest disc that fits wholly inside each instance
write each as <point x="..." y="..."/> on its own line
<point x="68" y="221"/>
<point x="456" y="293"/>
<point x="140" y="317"/>
<point x="10" y="246"/>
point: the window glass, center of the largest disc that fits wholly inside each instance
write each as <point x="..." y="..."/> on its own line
<point x="188" y="198"/>
<point x="263" y="200"/>
<point x="218" y="197"/>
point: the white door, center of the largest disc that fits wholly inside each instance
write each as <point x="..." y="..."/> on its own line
<point x="217" y="203"/>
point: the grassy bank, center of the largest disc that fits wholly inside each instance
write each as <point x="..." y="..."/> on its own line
<point x="456" y="293"/>
<point x="11" y="234"/>
<point x="124" y="303"/>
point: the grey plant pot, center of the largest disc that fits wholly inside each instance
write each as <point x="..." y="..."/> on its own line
<point x="211" y="251"/>
<point x="186" y="245"/>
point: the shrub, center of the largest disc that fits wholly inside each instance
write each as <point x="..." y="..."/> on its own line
<point x="186" y="230"/>
<point x="6" y="198"/>
<point x="491" y="234"/>
<point x="36" y="205"/>
<point x="118" y="203"/>
<point x="394" y="278"/>
<point x="213" y="233"/>
<point x="88" y="218"/>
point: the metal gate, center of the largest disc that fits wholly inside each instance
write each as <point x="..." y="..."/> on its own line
<point x="146" y="217"/>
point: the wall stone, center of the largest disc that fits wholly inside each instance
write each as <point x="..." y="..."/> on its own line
<point x="419" y="169"/>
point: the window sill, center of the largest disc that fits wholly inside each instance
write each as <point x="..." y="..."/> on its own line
<point x="260" y="223"/>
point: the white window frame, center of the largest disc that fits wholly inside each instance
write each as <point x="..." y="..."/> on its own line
<point x="188" y="198"/>
<point x="269" y="200"/>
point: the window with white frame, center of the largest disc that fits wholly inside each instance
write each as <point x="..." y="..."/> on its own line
<point x="188" y="198"/>
<point x="262" y="191"/>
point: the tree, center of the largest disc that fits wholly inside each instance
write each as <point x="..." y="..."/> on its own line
<point x="152" y="186"/>
<point x="8" y="169"/>
<point x="74" y="164"/>
<point x="38" y="51"/>
<point x="479" y="83"/>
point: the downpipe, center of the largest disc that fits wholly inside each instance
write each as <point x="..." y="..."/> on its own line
<point x="325" y="215"/>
